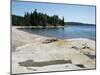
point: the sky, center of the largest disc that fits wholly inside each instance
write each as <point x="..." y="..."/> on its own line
<point x="71" y="13"/>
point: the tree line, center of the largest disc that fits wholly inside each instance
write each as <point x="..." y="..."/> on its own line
<point x="37" y="19"/>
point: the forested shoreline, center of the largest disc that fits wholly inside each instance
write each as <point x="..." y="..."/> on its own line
<point x="77" y="23"/>
<point x="37" y="19"/>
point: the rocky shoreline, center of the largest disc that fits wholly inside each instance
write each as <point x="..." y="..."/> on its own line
<point x="35" y="53"/>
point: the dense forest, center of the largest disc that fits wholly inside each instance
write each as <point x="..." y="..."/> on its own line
<point x="37" y="19"/>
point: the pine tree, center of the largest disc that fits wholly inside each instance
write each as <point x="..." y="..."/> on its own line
<point x="37" y="19"/>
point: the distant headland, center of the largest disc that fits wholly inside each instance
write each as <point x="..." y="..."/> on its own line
<point x="77" y="23"/>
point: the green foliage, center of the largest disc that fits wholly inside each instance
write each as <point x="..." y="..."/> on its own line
<point x="17" y="20"/>
<point x="37" y="19"/>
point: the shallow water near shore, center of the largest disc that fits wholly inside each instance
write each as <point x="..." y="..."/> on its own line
<point x="69" y="31"/>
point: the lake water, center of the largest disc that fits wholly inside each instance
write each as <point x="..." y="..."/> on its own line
<point x="71" y="31"/>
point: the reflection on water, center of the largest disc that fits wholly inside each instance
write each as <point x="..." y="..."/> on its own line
<point x="71" y="31"/>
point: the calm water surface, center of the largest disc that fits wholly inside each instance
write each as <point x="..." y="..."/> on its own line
<point x="71" y="31"/>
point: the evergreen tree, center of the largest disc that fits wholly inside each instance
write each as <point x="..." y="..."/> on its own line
<point x="63" y="21"/>
<point x="37" y="19"/>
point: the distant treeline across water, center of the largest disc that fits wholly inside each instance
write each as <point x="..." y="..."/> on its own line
<point x="77" y="23"/>
<point x="37" y="19"/>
